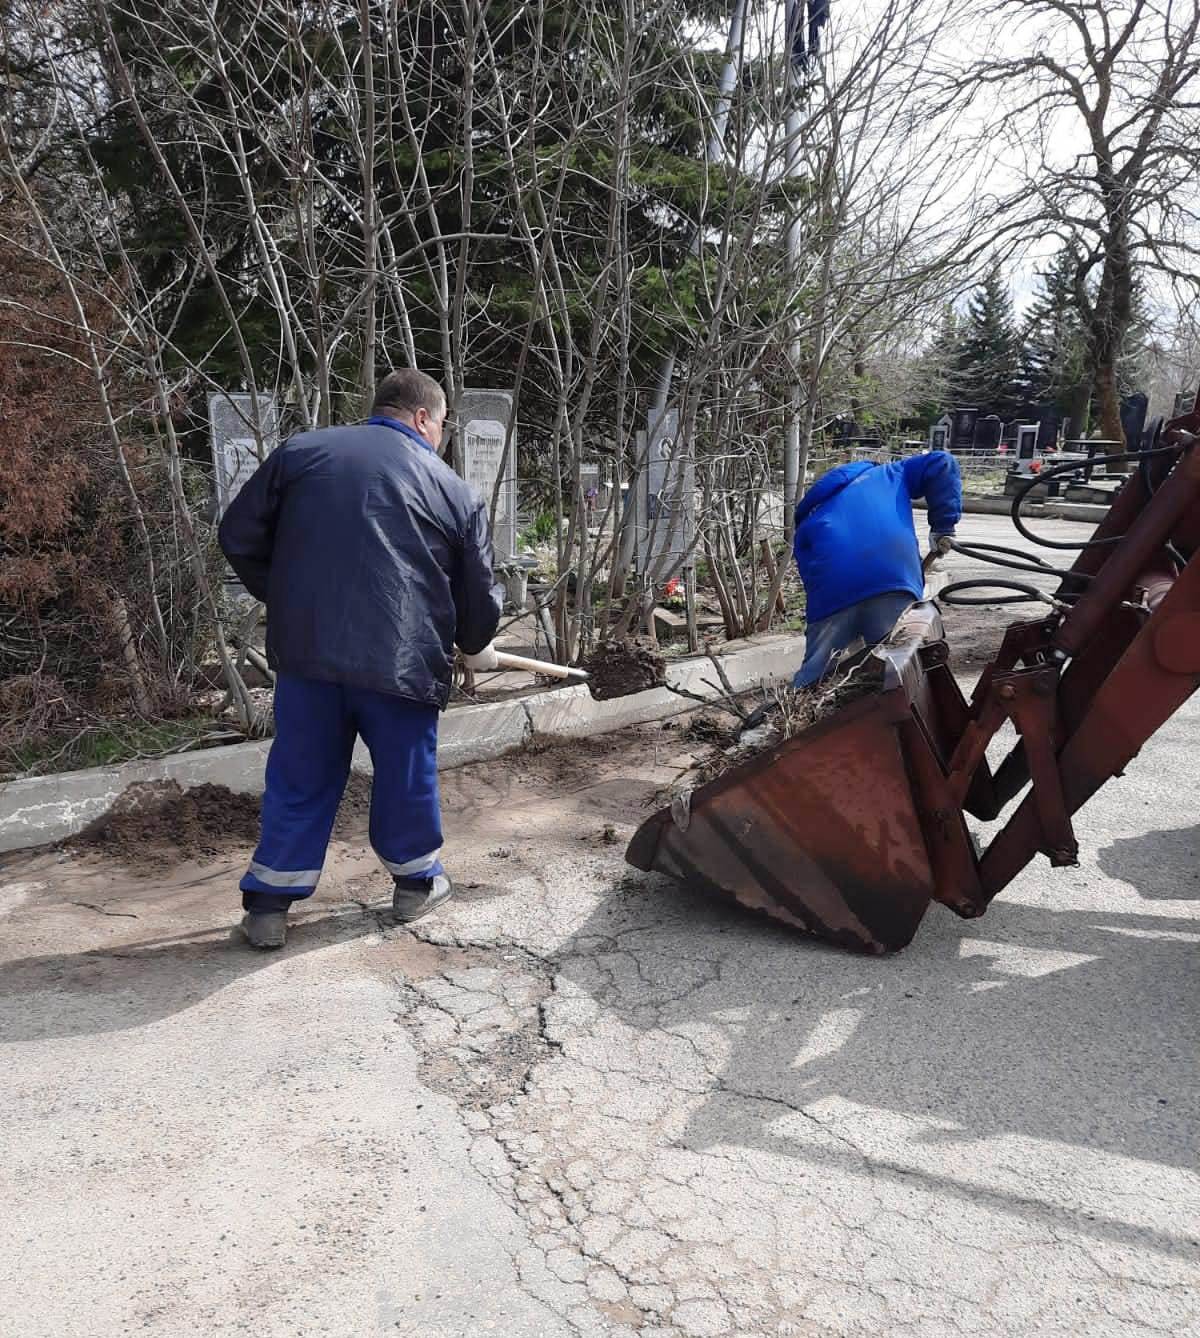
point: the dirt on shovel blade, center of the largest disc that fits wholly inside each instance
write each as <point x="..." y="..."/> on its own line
<point x="619" y="668"/>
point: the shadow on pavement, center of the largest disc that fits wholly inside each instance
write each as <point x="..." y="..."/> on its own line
<point x="132" y="984"/>
<point x="1163" y="865"/>
<point x="1071" y="1027"/>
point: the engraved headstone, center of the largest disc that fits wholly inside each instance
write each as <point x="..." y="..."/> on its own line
<point x="665" y="496"/>
<point x="964" y="429"/>
<point x="485" y="416"/>
<point x="237" y="448"/>
<point x="1027" y="448"/>
<point x="988" y="432"/>
<point x="940" y="433"/>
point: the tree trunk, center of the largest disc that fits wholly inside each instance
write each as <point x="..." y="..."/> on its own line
<point x="1107" y="400"/>
<point x="1111" y="317"/>
<point x="1078" y="402"/>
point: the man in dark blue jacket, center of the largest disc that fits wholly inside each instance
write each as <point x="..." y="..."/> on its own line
<point x="856" y="547"/>
<point x="373" y="558"/>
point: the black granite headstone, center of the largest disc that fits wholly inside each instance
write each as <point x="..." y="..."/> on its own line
<point x="964" y="429"/>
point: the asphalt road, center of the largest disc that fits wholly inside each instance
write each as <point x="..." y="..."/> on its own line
<point x="587" y="1102"/>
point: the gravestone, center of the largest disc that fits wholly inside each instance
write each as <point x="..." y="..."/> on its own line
<point x="940" y="433"/>
<point x="964" y="429"/>
<point x="1049" y="420"/>
<point x="988" y="432"/>
<point x="485" y="416"/>
<point x="1027" y="448"/>
<point x="237" y="449"/>
<point x="665" y="495"/>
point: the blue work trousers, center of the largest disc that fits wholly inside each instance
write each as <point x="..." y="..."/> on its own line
<point x="315" y="728"/>
<point x="872" y="619"/>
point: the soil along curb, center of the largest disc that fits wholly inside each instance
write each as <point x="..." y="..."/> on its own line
<point x="45" y="809"/>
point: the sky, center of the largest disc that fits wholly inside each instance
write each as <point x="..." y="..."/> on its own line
<point x="960" y="32"/>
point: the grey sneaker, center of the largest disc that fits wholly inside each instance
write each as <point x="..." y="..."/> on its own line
<point x="265" y="929"/>
<point x="415" y="897"/>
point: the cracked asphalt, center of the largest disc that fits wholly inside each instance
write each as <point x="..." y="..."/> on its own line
<point x="583" y="1101"/>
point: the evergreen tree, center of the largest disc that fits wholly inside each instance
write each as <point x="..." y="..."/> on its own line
<point x="987" y="373"/>
<point x="301" y="92"/>
<point x="1054" y="356"/>
<point x="938" y="365"/>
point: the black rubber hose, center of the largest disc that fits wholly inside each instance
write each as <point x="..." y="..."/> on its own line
<point x="1025" y="561"/>
<point x="1027" y="593"/>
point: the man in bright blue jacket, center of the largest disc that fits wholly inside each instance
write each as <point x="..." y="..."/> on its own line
<point x="856" y="548"/>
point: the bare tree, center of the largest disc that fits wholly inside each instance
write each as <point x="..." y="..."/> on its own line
<point x="1098" y="110"/>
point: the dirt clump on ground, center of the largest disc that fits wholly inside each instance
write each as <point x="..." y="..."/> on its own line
<point x="618" y="668"/>
<point x="157" y="822"/>
<point x="555" y="762"/>
<point x="711" y="728"/>
<point x="156" y="818"/>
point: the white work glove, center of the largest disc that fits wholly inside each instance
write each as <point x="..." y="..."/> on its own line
<point x="483" y="660"/>
<point x="940" y="543"/>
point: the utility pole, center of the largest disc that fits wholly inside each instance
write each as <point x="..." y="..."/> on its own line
<point x="803" y="28"/>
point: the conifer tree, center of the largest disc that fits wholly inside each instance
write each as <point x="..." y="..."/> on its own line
<point x="988" y="367"/>
<point x="1054" y="358"/>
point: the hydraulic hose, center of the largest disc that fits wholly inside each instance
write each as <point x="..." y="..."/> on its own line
<point x="950" y="594"/>
<point x="1015" y="559"/>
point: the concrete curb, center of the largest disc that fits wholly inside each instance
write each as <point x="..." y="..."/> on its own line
<point x="45" y="809"/>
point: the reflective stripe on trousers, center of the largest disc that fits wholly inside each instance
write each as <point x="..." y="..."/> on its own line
<point x="315" y="727"/>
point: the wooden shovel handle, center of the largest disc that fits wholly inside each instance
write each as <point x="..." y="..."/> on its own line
<point x="507" y="661"/>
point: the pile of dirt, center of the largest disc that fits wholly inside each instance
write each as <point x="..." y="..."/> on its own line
<point x="618" y="668"/>
<point x="157" y="822"/>
<point x="569" y="762"/>
<point x="157" y="818"/>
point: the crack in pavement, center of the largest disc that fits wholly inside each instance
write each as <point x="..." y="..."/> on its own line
<point x="625" y="1077"/>
<point x="116" y="915"/>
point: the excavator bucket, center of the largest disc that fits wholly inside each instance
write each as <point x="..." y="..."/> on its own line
<point x="849" y="829"/>
<point x="822" y="831"/>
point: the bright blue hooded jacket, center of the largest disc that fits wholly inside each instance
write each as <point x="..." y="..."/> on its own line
<point x="855" y="535"/>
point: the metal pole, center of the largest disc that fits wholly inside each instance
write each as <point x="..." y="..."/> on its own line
<point x="792" y="482"/>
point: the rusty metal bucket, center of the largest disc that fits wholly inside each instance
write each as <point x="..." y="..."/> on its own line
<point x="822" y="831"/>
<point x="850" y="829"/>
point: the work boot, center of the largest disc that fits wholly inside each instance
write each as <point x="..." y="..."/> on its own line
<point x="415" y="897"/>
<point x="265" y="929"/>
